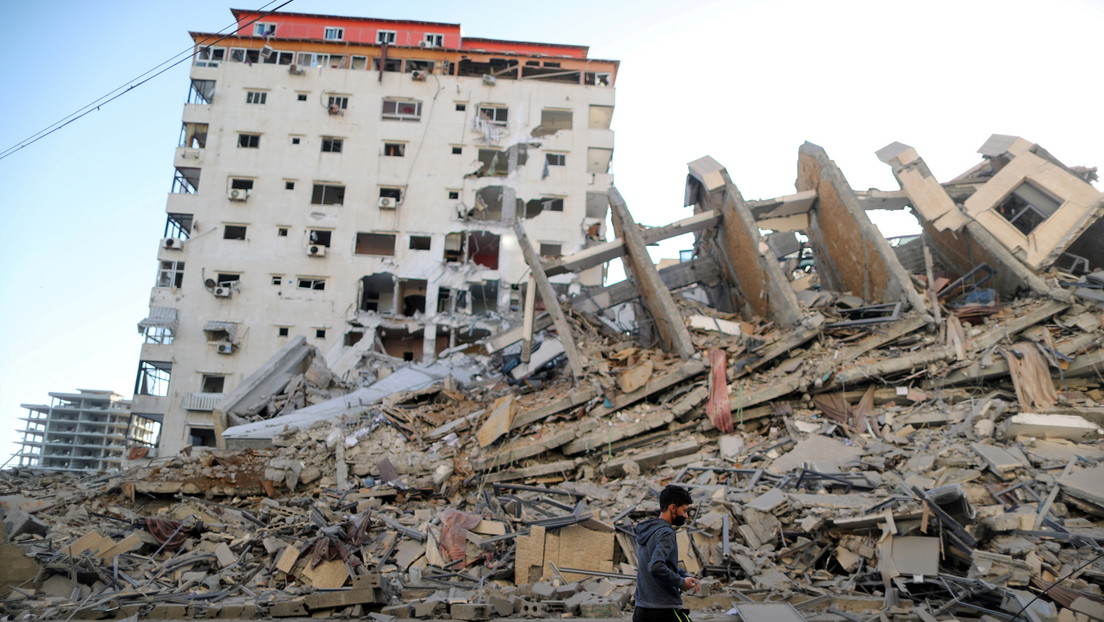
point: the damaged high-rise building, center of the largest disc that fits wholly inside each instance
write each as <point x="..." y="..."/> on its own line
<point x="355" y="183"/>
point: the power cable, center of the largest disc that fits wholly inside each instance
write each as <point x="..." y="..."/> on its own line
<point x="131" y="85"/>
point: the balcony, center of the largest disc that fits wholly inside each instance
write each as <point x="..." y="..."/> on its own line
<point x="201" y="402"/>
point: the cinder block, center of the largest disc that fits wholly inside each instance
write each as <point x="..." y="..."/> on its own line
<point x="530" y="609"/>
<point x="470" y="611"/>
<point x="599" y="608"/>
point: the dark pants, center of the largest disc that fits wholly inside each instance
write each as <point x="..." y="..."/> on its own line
<point x="640" y="614"/>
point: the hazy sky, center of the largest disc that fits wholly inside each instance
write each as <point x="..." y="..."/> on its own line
<point x="746" y="82"/>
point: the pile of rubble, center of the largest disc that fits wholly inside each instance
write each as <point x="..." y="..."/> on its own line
<point x="861" y="438"/>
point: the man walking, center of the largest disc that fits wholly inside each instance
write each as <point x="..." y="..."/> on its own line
<point x="659" y="580"/>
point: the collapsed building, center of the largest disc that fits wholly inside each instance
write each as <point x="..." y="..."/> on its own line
<point x="353" y="182"/>
<point x="871" y="429"/>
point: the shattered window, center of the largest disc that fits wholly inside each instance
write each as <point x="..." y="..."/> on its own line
<point x="548" y="249"/>
<point x="208" y="56"/>
<point x="1027" y="207"/>
<point x="202" y="92"/>
<point x="390" y="64"/>
<point x="201" y="437"/>
<point x="278" y="57"/>
<point x="171" y="274"/>
<point x="495" y="115"/>
<point x="549" y="204"/>
<point x="178" y="226"/>
<point x="193" y="135"/>
<point x="483" y="249"/>
<point x="311" y="283"/>
<point x="153" y="378"/>
<point x="396" y="110"/>
<point x="186" y="180"/>
<point x="420" y="242"/>
<point x="327" y="194"/>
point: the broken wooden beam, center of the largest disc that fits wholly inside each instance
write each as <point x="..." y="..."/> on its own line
<point x="673" y="335"/>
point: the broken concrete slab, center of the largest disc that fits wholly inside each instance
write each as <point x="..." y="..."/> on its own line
<point x="820" y="452"/>
<point x="1069" y="427"/>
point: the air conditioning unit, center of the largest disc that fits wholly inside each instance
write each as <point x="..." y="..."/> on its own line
<point x="238" y="194"/>
<point x="316" y="250"/>
<point x="225" y="347"/>
<point x="418" y="75"/>
<point x="266" y="51"/>
<point x="172" y="243"/>
<point x="489" y="80"/>
<point x="388" y="203"/>
<point x="222" y="291"/>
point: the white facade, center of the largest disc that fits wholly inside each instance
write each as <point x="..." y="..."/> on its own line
<point x="291" y="212"/>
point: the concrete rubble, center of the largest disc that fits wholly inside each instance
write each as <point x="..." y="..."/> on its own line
<point x="870" y="430"/>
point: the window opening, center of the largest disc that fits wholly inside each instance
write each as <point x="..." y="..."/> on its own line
<point x="295" y="140"/>
<point x="226" y="279"/>
<point x="548" y="249"/>
<point x="461" y="107"/>
<point x="553" y="121"/>
<point x="207" y="56"/>
<point x="233" y="232"/>
<point x="289" y="185"/>
<point x="249" y="141"/>
<point x="243" y="55"/>
<point x="600" y="117"/>
<point x="502" y="68"/>
<point x="444" y="297"/>
<point x="482" y="249"/>
<point x="162" y="335"/>
<point x="375" y="244"/>
<point x="536" y="206"/>
<point x="457" y="150"/>
<point x="193" y="135"/>
<point x="389" y="64"/>
<point x="278" y="57"/>
<point x="378" y="293"/>
<point x="484" y="297"/>
<point x="454" y="194"/>
<point x="186" y="180"/>
<point x="283" y="331"/>
<point x="598" y="159"/>
<point x="301" y="97"/>
<point x="385" y="36"/>
<point x="320" y="333"/>
<point x="282" y="232"/>
<point x="1027" y="207"/>
<point x="212" y="383"/>
<point x="332" y="145"/>
<point x="201" y="437"/>
<point x="495" y="115"/>
<point x="333" y="34"/>
<point x="327" y="194"/>
<point x="412" y="293"/>
<point x="555" y="159"/>
<point x="454" y="247"/>
<point x="337" y="103"/>
<point x="153" y="378"/>
<point x="202" y="92"/>
<point x="394" y="150"/>
<point x="256" y="97"/>
<point x="434" y="40"/>
<point x="394" y="110"/>
<point x="593" y="78"/>
<point x="320" y="237"/>
<point x="420" y="242"/>
<point x="277" y="279"/>
<point x="597" y="204"/>
<point x="178" y="226"/>
<point x="311" y="283"/>
<point x="170" y="274"/>
<point x="360" y="62"/>
<point x="310" y="59"/>
<point x="392" y="193"/>
<point x="264" y="29"/>
<point x="425" y="66"/>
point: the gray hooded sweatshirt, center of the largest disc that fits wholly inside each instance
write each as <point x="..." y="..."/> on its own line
<point x="658" y="576"/>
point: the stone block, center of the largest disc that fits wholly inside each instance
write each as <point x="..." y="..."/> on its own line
<point x="470" y="611"/>
<point x="543" y="590"/>
<point x="599" y="608"/>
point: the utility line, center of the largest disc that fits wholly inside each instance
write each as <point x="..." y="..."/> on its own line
<point x="131" y="85"/>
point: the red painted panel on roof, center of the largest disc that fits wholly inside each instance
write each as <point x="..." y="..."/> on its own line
<point x="295" y="26"/>
<point x="523" y="47"/>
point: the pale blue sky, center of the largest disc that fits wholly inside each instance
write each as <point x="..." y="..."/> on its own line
<point x="744" y="81"/>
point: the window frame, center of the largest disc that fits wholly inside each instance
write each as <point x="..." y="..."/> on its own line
<point x="331" y="142"/>
<point x="336" y="30"/>
<point x="264" y="29"/>
<point x="310" y="283"/>
<point x="397" y="114"/>
<point x="550" y="159"/>
<point x="496" y="110"/>
<point x="391" y="37"/>
<point x="252" y="141"/>
<point x="433" y="40"/>
<point x="252" y="96"/>
<point x="325" y="191"/>
<point x="392" y="146"/>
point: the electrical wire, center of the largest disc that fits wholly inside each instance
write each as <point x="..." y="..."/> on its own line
<point x="130" y="85"/>
<point x="1052" y="585"/>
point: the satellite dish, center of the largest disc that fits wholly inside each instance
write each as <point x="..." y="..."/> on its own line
<point x="210" y="284"/>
